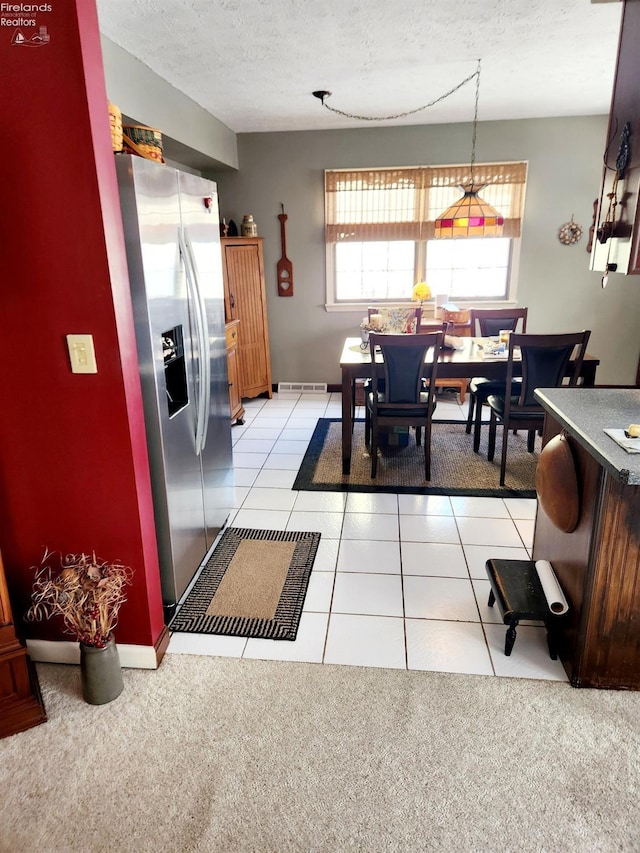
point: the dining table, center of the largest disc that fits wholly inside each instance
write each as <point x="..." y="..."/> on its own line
<point x="465" y="358"/>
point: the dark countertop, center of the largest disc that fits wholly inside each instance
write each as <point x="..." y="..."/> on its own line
<point x="586" y="412"/>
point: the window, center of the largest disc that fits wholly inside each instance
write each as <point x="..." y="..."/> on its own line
<point x="380" y="233"/>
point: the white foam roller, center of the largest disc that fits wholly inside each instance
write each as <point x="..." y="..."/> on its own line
<point x="552" y="590"/>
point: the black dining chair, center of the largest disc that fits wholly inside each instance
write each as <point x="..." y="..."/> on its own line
<point x="545" y="362"/>
<point x="488" y="323"/>
<point x="395" y="320"/>
<point x="397" y="395"/>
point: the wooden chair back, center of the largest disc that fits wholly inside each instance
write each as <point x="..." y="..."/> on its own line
<point x="403" y="386"/>
<point x="489" y="322"/>
<point x="403" y="367"/>
<point x="545" y="361"/>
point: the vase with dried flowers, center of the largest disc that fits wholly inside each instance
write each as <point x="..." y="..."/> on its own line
<point x="371" y="324"/>
<point x="87" y="593"/>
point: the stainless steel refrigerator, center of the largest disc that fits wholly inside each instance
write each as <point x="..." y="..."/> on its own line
<point x="172" y="235"/>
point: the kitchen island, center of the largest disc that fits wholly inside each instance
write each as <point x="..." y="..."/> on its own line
<point x="598" y="562"/>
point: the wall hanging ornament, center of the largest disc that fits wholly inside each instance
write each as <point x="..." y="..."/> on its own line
<point x="612" y="226"/>
<point x="285" y="267"/>
<point x="570" y="233"/>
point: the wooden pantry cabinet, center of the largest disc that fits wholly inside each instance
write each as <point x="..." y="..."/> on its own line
<point x="245" y="301"/>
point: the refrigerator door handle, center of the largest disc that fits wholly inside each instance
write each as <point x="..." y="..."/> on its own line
<point x="206" y="345"/>
<point x="202" y="338"/>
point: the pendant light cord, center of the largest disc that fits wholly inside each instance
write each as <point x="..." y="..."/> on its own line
<point x="322" y="94"/>
<point x="475" y="123"/>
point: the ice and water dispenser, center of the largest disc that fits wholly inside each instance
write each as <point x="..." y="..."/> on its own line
<point x="175" y="370"/>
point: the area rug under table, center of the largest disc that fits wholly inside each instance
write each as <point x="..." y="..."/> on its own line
<point x="455" y="468"/>
<point x="253" y="585"/>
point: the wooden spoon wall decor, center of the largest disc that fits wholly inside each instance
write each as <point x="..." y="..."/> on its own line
<point x="285" y="267"/>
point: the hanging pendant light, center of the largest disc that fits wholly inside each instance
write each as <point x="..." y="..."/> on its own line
<point x="470" y="216"/>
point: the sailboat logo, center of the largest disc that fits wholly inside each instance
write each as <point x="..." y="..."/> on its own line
<point x="36" y="40"/>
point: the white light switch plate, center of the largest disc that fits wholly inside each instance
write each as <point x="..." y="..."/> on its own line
<point x="82" y="354"/>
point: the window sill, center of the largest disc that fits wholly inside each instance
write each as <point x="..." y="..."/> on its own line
<point x="427" y="310"/>
<point x="362" y="306"/>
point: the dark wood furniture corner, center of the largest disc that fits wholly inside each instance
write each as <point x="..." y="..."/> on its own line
<point x="617" y="231"/>
<point x="598" y="563"/>
<point x="21" y="705"/>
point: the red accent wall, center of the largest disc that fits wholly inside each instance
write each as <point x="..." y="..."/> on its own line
<point x="74" y="472"/>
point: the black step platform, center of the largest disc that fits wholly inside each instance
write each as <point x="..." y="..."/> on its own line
<point x="516" y="587"/>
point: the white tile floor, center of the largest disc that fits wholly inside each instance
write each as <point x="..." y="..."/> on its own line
<point x="399" y="580"/>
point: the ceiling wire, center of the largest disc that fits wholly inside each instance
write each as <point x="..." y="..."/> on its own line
<point x="475" y="122"/>
<point x="322" y="94"/>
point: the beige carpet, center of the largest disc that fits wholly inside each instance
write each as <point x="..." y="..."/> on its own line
<point x="217" y="755"/>
<point x="455" y="468"/>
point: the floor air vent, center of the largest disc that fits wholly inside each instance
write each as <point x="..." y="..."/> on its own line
<point x="303" y="387"/>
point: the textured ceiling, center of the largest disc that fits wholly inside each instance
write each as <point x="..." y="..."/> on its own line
<point x="254" y="63"/>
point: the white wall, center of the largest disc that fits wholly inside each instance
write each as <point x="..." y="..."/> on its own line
<point x="565" y="162"/>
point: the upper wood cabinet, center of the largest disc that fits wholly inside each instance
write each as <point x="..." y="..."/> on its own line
<point x="616" y="239"/>
<point x="245" y="300"/>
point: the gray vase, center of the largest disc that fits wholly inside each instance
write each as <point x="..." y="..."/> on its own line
<point x="100" y="673"/>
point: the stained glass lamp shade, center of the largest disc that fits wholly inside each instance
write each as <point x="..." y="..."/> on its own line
<point x="470" y="216"/>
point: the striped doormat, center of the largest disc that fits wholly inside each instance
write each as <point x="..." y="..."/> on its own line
<point x="253" y="585"/>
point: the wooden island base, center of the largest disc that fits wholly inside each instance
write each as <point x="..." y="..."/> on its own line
<point x="598" y="563"/>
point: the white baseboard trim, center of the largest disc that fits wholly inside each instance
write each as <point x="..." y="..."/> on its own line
<point x="64" y="651"/>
